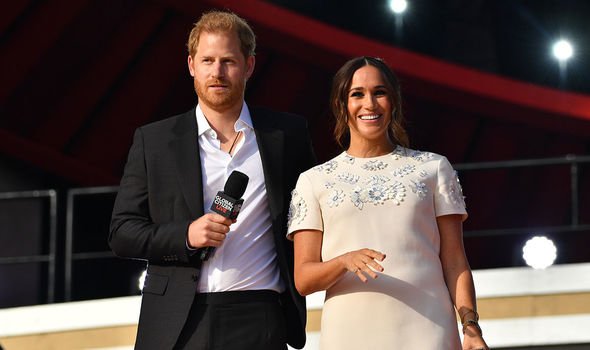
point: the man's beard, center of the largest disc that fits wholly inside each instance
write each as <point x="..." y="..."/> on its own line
<point x="219" y="101"/>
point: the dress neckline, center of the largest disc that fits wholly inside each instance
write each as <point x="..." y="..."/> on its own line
<point x="346" y="154"/>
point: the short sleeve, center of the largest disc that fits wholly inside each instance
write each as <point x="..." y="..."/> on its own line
<point x="448" y="196"/>
<point x="304" y="210"/>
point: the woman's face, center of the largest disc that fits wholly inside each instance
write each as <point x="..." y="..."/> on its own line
<point x="369" y="105"/>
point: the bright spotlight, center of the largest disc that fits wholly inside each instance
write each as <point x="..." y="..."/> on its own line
<point x="141" y="280"/>
<point x="539" y="252"/>
<point x="398" y="6"/>
<point x="563" y="50"/>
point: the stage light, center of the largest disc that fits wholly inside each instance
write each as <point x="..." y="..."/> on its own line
<point x="141" y="280"/>
<point x="539" y="252"/>
<point x="563" y="50"/>
<point x="398" y="6"/>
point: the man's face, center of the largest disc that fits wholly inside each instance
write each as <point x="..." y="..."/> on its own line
<point x="220" y="71"/>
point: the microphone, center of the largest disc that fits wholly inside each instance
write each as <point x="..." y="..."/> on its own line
<point x="228" y="202"/>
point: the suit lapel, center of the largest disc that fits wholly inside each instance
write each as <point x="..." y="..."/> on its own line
<point x="271" y="145"/>
<point x="185" y="150"/>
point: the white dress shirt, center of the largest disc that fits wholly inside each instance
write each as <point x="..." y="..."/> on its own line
<point x="247" y="259"/>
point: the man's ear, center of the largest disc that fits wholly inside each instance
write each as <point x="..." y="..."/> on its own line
<point x="250" y="63"/>
<point x="189" y="62"/>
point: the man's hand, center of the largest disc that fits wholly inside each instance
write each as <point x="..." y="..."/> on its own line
<point x="208" y="231"/>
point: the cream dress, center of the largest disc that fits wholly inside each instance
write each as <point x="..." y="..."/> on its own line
<point x="387" y="203"/>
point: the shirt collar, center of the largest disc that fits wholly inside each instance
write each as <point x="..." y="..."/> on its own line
<point x="244" y="120"/>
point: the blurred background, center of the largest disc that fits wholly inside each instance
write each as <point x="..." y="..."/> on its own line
<point x="480" y="79"/>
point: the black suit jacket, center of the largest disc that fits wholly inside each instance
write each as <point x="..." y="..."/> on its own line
<point x="161" y="194"/>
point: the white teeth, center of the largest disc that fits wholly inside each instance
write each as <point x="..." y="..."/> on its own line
<point x="369" y="117"/>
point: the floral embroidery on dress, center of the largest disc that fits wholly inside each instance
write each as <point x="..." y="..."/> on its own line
<point x="420" y="156"/>
<point x="456" y="192"/>
<point x="335" y="198"/>
<point x="398" y="192"/>
<point x="357" y="196"/>
<point x="423" y="173"/>
<point x="348" y="178"/>
<point x="399" y="152"/>
<point x="327" y="167"/>
<point x="419" y="188"/>
<point x="404" y="170"/>
<point x="377" y="179"/>
<point x="377" y="192"/>
<point x="329" y="184"/>
<point x="348" y="159"/>
<point x="374" y="165"/>
<point x="297" y="209"/>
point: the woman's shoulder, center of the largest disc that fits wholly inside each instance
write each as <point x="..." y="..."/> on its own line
<point x="328" y="167"/>
<point x="416" y="155"/>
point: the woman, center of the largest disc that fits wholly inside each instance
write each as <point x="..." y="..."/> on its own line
<point x="379" y="227"/>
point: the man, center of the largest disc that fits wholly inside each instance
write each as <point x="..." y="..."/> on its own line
<point x="243" y="295"/>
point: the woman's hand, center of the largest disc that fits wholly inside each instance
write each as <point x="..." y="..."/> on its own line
<point x="363" y="262"/>
<point x="473" y="340"/>
<point x="312" y="274"/>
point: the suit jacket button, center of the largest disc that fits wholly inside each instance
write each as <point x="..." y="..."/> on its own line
<point x="195" y="277"/>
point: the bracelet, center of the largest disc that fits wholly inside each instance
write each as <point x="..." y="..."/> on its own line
<point x="473" y="322"/>
<point x="469" y="311"/>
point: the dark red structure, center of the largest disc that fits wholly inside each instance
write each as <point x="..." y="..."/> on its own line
<point x="79" y="76"/>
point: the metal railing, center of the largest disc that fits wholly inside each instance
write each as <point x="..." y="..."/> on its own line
<point x="572" y="160"/>
<point x="51" y="257"/>
<point x="70" y="257"/>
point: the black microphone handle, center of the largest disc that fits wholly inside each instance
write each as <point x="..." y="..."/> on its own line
<point x="229" y="203"/>
<point x="236" y="206"/>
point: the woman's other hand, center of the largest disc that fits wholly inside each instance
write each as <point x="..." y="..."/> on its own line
<point x="363" y="263"/>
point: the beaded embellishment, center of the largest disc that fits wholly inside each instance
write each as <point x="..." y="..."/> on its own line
<point x="297" y="209"/>
<point x="335" y="198"/>
<point x="327" y="167"/>
<point x="456" y="192"/>
<point x="377" y="192"/>
<point x="419" y="188"/>
<point x="420" y="156"/>
<point x="348" y="178"/>
<point x="374" y="165"/>
<point x="404" y="170"/>
<point x="348" y="159"/>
